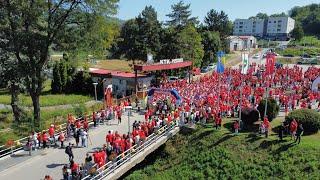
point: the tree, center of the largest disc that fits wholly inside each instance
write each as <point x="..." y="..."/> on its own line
<point x="219" y="22"/>
<point x="297" y="32"/>
<point x="190" y="42"/>
<point x="149" y="32"/>
<point x="260" y="16"/>
<point x="211" y="45"/>
<point x="129" y="40"/>
<point x="272" y="108"/>
<point x="12" y="79"/>
<point x="180" y="15"/>
<point x="279" y="15"/>
<point x="31" y="27"/>
<point x="141" y="35"/>
<point x="308" y="17"/>
<point x="170" y="46"/>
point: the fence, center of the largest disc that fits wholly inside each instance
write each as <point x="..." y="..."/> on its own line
<point x="111" y="166"/>
<point x="19" y="144"/>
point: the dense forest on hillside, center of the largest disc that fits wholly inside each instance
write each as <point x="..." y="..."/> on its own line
<point x="308" y="17"/>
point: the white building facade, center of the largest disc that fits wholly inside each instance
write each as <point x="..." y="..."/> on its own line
<point x="249" y="27"/>
<point x="279" y="27"/>
<point x="271" y="28"/>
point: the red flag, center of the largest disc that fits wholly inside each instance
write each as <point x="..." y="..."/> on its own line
<point x="270" y="63"/>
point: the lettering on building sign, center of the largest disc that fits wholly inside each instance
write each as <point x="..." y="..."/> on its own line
<point x="168" y="61"/>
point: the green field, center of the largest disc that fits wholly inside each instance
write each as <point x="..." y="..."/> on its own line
<point x="48" y="100"/>
<point x="10" y="130"/>
<point x="311" y="41"/>
<point x="206" y="153"/>
<point x="313" y="51"/>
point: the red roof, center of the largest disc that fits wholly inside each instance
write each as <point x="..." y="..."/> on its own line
<point x="244" y="37"/>
<point x="113" y="73"/>
<point x="155" y="67"/>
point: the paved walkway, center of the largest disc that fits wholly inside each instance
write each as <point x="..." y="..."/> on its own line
<point x="51" y="161"/>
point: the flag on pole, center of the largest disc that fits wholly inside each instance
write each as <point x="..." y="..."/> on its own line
<point x="220" y="67"/>
<point x="223" y="60"/>
<point x="270" y="63"/>
<point x="245" y="63"/>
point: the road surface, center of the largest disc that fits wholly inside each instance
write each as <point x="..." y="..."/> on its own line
<point x="51" y="161"/>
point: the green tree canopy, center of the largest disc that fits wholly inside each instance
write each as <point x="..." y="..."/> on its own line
<point x="308" y="17"/>
<point x="30" y="28"/>
<point x="297" y="32"/>
<point x="180" y="15"/>
<point x="191" y="47"/>
<point x="211" y="45"/>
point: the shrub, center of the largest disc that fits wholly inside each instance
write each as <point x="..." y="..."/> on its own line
<point x="249" y="116"/>
<point x="309" y="118"/>
<point x="272" y="109"/>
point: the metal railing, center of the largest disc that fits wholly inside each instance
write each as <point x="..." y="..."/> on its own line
<point x="20" y="143"/>
<point x="121" y="159"/>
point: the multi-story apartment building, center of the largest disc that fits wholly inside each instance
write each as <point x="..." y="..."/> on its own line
<point x="279" y="27"/>
<point x="271" y="28"/>
<point x="249" y="27"/>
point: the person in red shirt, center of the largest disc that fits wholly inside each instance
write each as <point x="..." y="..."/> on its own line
<point x="74" y="168"/>
<point x="51" y="134"/>
<point x="44" y="139"/>
<point x="61" y="139"/>
<point x="119" y="116"/>
<point x="236" y="127"/>
<point x="39" y="138"/>
<point x="266" y="126"/>
<point x="85" y="124"/>
<point x="109" y="137"/>
<point x="78" y="124"/>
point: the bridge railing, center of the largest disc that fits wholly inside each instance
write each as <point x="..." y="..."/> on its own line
<point x="20" y="143"/>
<point x="111" y="166"/>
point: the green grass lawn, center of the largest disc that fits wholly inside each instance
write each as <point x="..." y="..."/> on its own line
<point x="206" y="153"/>
<point x="48" y="100"/>
<point x="284" y="60"/>
<point x="10" y="130"/>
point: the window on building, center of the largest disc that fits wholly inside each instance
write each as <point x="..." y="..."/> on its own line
<point x="240" y="30"/>
<point x="269" y="21"/>
<point x="254" y="22"/>
<point x="278" y="30"/>
<point x="279" y="21"/>
<point x="240" y="26"/>
<point x="120" y="81"/>
<point x="275" y="22"/>
<point x="241" y="22"/>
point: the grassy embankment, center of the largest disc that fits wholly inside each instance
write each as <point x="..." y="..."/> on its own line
<point x="50" y="112"/>
<point x="210" y="154"/>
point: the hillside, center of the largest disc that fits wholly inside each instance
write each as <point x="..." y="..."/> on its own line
<point x="210" y="154"/>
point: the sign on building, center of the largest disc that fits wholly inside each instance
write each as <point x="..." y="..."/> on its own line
<point x="168" y="61"/>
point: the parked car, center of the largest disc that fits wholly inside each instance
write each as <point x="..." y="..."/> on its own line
<point x="256" y="56"/>
<point x="306" y="56"/>
<point x="204" y="69"/>
<point x="211" y="66"/>
<point x="311" y="61"/>
<point x="172" y="78"/>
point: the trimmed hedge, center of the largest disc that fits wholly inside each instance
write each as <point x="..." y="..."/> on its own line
<point x="272" y="109"/>
<point x="309" y="118"/>
<point x="249" y="116"/>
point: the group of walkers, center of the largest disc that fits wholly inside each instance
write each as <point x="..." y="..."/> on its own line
<point x="206" y="100"/>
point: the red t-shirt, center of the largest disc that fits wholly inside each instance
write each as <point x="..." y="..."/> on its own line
<point x="74" y="167"/>
<point x="51" y="131"/>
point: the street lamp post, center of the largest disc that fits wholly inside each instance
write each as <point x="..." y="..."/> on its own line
<point x="95" y="90"/>
<point x="128" y="109"/>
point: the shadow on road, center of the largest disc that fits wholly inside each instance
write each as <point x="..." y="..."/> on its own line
<point x="54" y="165"/>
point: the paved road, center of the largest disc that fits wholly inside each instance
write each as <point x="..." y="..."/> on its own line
<point x="51" y="161"/>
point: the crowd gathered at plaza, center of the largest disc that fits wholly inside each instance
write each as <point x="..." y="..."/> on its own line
<point x="206" y="100"/>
